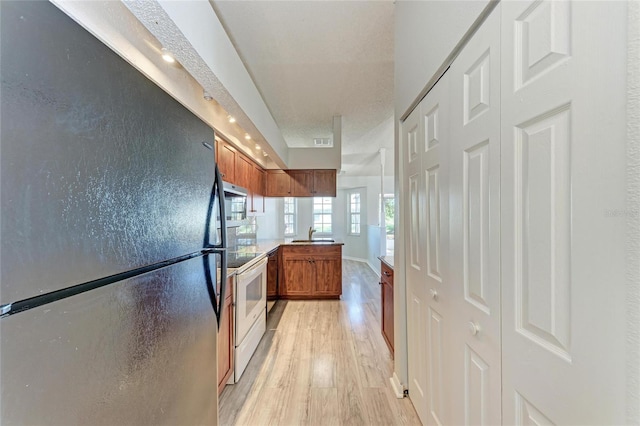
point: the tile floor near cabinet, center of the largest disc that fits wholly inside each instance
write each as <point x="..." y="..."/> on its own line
<point x="321" y="362"/>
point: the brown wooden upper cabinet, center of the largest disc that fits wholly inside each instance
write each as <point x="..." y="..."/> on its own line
<point x="238" y="169"/>
<point x="244" y="172"/>
<point x="226" y="159"/>
<point x="324" y="183"/>
<point x="257" y="188"/>
<point x="301" y="183"/>
<point x="278" y="183"/>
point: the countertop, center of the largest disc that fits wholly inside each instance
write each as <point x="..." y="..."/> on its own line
<point x="266" y="246"/>
<point x="388" y="260"/>
<point x="260" y="246"/>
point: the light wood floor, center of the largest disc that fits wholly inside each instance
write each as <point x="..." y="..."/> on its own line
<point x="321" y="362"/>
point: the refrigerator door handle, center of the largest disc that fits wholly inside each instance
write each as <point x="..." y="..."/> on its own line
<point x="212" y="250"/>
<point x="5" y="309"/>
<point x="217" y="300"/>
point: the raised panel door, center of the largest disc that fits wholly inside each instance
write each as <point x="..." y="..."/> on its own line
<point x="413" y="197"/>
<point x="225" y="341"/>
<point x="278" y="183"/>
<point x="328" y="276"/>
<point x="244" y="172"/>
<point x="226" y="160"/>
<point x="301" y="183"/>
<point x="257" y="189"/>
<point x="474" y="241"/>
<point x="434" y="123"/>
<point x="272" y="276"/>
<point x="299" y="276"/>
<point x="324" y="183"/>
<point x="563" y="132"/>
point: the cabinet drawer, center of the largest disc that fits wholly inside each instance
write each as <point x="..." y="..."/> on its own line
<point x="312" y="250"/>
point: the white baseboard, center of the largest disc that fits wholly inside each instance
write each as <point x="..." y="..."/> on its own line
<point x="373" y="268"/>
<point x="358" y="259"/>
<point x="397" y="387"/>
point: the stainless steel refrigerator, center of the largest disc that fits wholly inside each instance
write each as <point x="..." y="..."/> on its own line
<point x="110" y="252"/>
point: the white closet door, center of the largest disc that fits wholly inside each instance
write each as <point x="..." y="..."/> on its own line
<point x="563" y="165"/>
<point x="417" y="310"/>
<point x="434" y="113"/>
<point x="474" y="184"/>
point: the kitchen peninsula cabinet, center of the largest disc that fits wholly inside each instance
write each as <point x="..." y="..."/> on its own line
<point x="311" y="271"/>
<point x="225" y="339"/>
<point x="386" y="293"/>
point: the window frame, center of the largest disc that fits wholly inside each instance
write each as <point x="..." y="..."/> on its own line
<point x="294" y="216"/>
<point x="319" y="232"/>
<point x="350" y="214"/>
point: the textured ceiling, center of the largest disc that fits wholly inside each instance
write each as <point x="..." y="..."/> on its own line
<point x="312" y="60"/>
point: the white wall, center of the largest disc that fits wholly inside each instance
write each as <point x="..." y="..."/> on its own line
<point x="319" y="158"/>
<point x="373" y="187"/>
<point x="425" y="34"/>
<point x="369" y="245"/>
<point x="192" y="31"/>
<point x="271" y="224"/>
<point x="114" y="25"/>
<point x="364" y="247"/>
<point x="355" y="245"/>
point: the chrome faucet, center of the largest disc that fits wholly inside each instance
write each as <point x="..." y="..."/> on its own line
<point x="311" y="231"/>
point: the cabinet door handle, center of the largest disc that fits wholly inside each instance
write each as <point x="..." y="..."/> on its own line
<point x="386" y="274"/>
<point x="380" y="283"/>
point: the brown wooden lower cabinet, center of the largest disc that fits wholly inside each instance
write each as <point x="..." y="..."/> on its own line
<point x="386" y="294"/>
<point x="225" y="339"/>
<point x="272" y="275"/>
<point x="311" y="272"/>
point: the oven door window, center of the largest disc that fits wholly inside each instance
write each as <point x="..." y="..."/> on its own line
<point x="251" y="301"/>
<point x="254" y="295"/>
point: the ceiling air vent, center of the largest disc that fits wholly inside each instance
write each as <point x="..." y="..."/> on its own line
<point x="322" y="142"/>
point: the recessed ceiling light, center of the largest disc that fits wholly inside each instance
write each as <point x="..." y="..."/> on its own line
<point x="258" y="147"/>
<point x="231" y="119"/>
<point x="167" y="56"/>
<point x="247" y="136"/>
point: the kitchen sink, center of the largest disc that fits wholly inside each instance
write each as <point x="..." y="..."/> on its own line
<point x="316" y="240"/>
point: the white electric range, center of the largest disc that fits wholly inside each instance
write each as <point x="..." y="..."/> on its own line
<point x="249" y="306"/>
